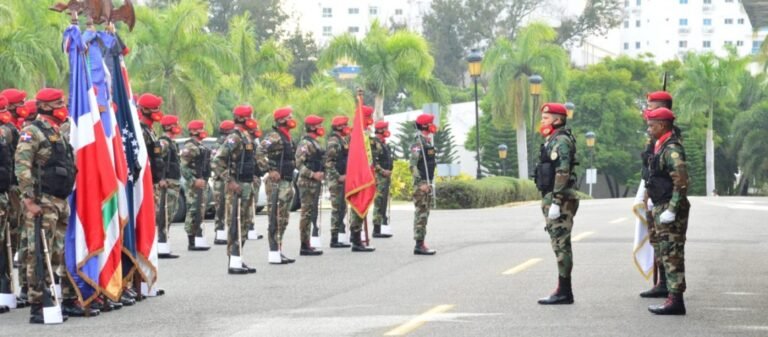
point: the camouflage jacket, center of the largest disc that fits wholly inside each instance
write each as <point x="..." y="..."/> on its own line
<point x="417" y="158"/>
<point x="308" y="147"/>
<point x="228" y="154"/>
<point x="336" y="146"/>
<point x="561" y="147"/>
<point x="671" y="159"/>
<point x="190" y="156"/>
<point x="378" y="150"/>
<point x="30" y="154"/>
<point x="270" y="155"/>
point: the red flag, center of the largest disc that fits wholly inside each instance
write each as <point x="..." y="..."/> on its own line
<point x="360" y="185"/>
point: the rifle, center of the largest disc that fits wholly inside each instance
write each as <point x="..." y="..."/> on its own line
<point x="664" y="82"/>
<point x="272" y="229"/>
<point x="162" y="216"/>
<point x="426" y="167"/>
<point x="316" y="213"/>
<point x="234" y="223"/>
<point x="198" y="220"/>
<point x="7" y="285"/>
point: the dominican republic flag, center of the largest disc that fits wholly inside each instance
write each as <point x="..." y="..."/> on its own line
<point x="139" y="239"/>
<point x="93" y="202"/>
<point x="110" y="261"/>
<point x="360" y="184"/>
<point x="642" y="251"/>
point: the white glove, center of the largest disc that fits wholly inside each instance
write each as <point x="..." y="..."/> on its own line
<point x="667" y="217"/>
<point x="554" y="212"/>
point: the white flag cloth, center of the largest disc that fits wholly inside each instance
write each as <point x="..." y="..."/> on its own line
<point x="642" y="251"/>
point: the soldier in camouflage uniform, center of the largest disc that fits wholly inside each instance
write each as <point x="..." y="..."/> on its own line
<point x="277" y="156"/>
<point x="235" y="164"/>
<point x="356" y="222"/>
<point x="255" y="131"/>
<point x="335" y="172"/>
<point x="6" y="177"/>
<point x="169" y="151"/>
<point x="196" y="169"/>
<point x="45" y="168"/>
<point x="667" y="186"/>
<point x="422" y="167"/>
<point x="555" y="178"/>
<point x="219" y="193"/>
<point x="309" y="162"/>
<point x="382" y="163"/>
<point x="29" y="112"/>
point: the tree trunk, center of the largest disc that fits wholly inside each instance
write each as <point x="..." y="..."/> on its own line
<point x="710" y="157"/>
<point x="522" y="150"/>
<point x="378" y="102"/>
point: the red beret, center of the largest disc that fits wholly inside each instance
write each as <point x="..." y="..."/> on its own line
<point x="243" y="111"/>
<point x="3" y="102"/>
<point x="227" y="125"/>
<point x="659" y="96"/>
<point x="425" y="119"/>
<point x="554" y="108"/>
<point x="14" y="95"/>
<point x="150" y="101"/>
<point x="31" y="105"/>
<point x="340" y="120"/>
<point x="660" y="114"/>
<point x="282" y="112"/>
<point x="168" y="120"/>
<point x="313" y="120"/>
<point x="49" y="95"/>
<point x="367" y="111"/>
<point x="195" y="124"/>
<point x="381" y="125"/>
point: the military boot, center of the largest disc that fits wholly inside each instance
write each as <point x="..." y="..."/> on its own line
<point x="335" y="241"/>
<point x="422" y="249"/>
<point x="308" y="250"/>
<point x="285" y="260"/>
<point x="378" y="234"/>
<point x="660" y="289"/>
<point x="357" y="245"/>
<point x="73" y="307"/>
<point x="562" y="295"/>
<point x="673" y="306"/>
<point x="4" y="309"/>
<point x="36" y="314"/>
<point x="192" y="246"/>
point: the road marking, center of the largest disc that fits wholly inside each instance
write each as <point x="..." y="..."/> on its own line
<point x="419" y="320"/>
<point x="523" y="266"/>
<point x="581" y="236"/>
<point x="618" y="220"/>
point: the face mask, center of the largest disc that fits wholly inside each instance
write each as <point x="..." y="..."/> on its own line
<point x="386" y="134"/>
<point x="22" y="112"/>
<point x="546" y="130"/>
<point x="432" y="128"/>
<point x="202" y="135"/>
<point x="320" y="132"/>
<point x="176" y="130"/>
<point x="290" y="124"/>
<point x="156" y="116"/>
<point x="251" y="124"/>
<point x="61" y="113"/>
<point x="346" y="131"/>
<point x="257" y="133"/>
<point x="368" y="122"/>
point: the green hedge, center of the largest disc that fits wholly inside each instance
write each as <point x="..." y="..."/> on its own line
<point x="487" y="192"/>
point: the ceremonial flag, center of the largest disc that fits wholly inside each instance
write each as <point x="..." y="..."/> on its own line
<point x="92" y="203"/>
<point x="642" y="251"/>
<point x="360" y="184"/>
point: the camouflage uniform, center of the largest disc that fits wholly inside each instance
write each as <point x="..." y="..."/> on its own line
<point x="45" y="159"/>
<point x="195" y="164"/>
<point x="335" y="167"/>
<point x="309" y="160"/>
<point x="422" y="151"/>
<point x="219" y="187"/>
<point x="382" y="161"/>
<point x="6" y="178"/>
<point x="277" y="154"/>
<point x="157" y="165"/>
<point x="256" y="186"/>
<point x="15" y="216"/>
<point x="170" y="153"/>
<point x="235" y="162"/>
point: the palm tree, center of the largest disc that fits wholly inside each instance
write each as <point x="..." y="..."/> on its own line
<point x="389" y="62"/>
<point x="707" y="80"/>
<point x="508" y="65"/>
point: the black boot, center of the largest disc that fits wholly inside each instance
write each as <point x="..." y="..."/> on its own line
<point x="422" y="249"/>
<point x="127" y="300"/>
<point x="74" y="308"/>
<point x="101" y="305"/>
<point x="36" y="314"/>
<point x="192" y="247"/>
<point x="335" y="241"/>
<point x="378" y="234"/>
<point x="286" y="260"/>
<point x="4" y="309"/>
<point x="167" y="256"/>
<point x="308" y="250"/>
<point x="357" y="245"/>
<point x="562" y="295"/>
<point x="673" y="306"/>
<point x="660" y="289"/>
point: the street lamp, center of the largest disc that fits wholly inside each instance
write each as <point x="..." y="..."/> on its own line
<point x="535" y="81"/>
<point x="474" y="62"/>
<point x="569" y="107"/>
<point x="591" y="172"/>
<point x="503" y="157"/>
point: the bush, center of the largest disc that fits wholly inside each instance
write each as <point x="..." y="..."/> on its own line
<point x="488" y="192"/>
<point x="402" y="182"/>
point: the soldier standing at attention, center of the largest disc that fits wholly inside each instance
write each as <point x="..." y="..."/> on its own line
<point x="355" y="220"/>
<point x="336" y="170"/>
<point x="667" y="186"/>
<point x="196" y="169"/>
<point x="255" y="130"/>
<point x="555" y="178"/>
<point x="422" y="166"/>
<point x="170" y="154"/>
<point x="219" y="193"/>
<point x="382" y="161"/>
<point x="6" y="174"/>
<point x="309" y="162"/>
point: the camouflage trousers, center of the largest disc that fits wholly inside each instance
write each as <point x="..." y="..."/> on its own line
<point x="171" y="205"/>
<point x="284" y="200"/>
<point x="15" y="219"/>
<point x="423" y="203"/>
<point x="309" y="191"/>
<point x="219" y="195"/>
<point x="672" y="244"/>
<point x="338" y="205"/>
<point x="256" y="187"/>
<point x="195" y="204"/>
<point x="560" y="235"/>
<point x="55" y="214"/>
<point x="5" y="267"/>
<point x="244" y="214"/>
<point x="381" y="202"/>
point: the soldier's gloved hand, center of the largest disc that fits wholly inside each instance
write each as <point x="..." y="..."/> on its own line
<point x="199" y="184"/>
<point x="424" y="188"/>
<point x="667" y="217"/>
<point x="318" y="176"/>
<point x="274" y="175"/>
<point x="233" y="187"/>
<point x="386" y="173"/>
<point x="32" y="207"/>
<point x="163" y="183"/>
<point x="554" y="212"/>
<point x="342" y="178"/>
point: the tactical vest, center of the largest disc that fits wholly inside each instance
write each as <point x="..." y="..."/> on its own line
<point x="6" y="165"/>
<point x="245" y="167"/>
<point x="341" y="156"/>
<point x="15" y="135"/>
<point x="544" y="174"/>
<point x="286" y="163"/>
<point x="57" y="174"/>
<point x="315" y="161"/>
<point x="659" y="184"/>
<point x="172" y="163"/>
<point x="154" y="152"/>
<point x="384" y="159"/>
<point x="428" y="172"/>
<point x="646" y="156"/>
<point x="201" y="165"/>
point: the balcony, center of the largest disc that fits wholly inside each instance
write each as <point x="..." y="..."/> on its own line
<point x="684" y="30"/>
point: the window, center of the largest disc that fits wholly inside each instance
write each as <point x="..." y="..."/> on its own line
<point x="683" y="44"/>
<point x="707" y="2"/>
<point x="327" y="12"/>
<point x="739" y="43"/>
<point x="707" y="22"/>
<point x="740" y="21"/>
<point x="354" y="11"/>
<point x="683" y="2"/>
<point x="626" y="24"/>
<point x="638" y="2"/>
<point x="373" y="10"/>
<point x="626" y="45"/>
<point x="756" y="44"/>
<point x="728" y="21"/>
<point x="728" y="0"/>
<point x="707" y="44"/>
<point x="728" y="43"/>
<point x="327" y="31"/>
<point x="637" y="23"/>
<point x="683" y="22"/>
<point x="353" y="29"/>
<point x="626" y="3"/>
<point x="398" y="11"/>
<point x="637" y="45"/>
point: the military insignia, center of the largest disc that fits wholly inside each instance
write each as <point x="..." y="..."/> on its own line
<point x="431" y="152"/>
<point x="157" y="150"/>
<point x="25" y="137"/>
<point x="346" y="147"/>
<point x="553" y="155"/>
<point x="675" y="155"/>
<point x="267" y="142"/>
<point x="415" y="149"/>
<point x="248" y="147"/>
<point x="53" y="138"/>
<point x="545" y="108"/>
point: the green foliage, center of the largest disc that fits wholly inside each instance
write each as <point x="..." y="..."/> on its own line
<point x="401" y="187"/>
<point x="445" y="144"/>
<point x="488" y="192"/>
<point x="304" y="50"/>
<point x="597" y="18"/>
<point x="265" y="15"/>
<point x="493" y="134"/>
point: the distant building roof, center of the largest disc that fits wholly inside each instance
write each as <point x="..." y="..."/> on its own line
<point x="757" y="10"/>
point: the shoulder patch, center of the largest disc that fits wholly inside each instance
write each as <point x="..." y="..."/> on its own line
<point x="26" y="137"/>
<point x="415" y="149"/>
<point x="675" y="155"/>
<point x="553" y="155"/>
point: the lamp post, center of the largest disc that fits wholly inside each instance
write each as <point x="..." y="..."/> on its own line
<point x="474" y="63"/>
<point x="569" y="107"/>
<point x="535" y="81"/>
<point x="503" y="157"/>
<point x="591" y="172"/>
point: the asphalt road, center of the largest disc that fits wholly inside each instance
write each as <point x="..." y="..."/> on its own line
<point x="461" y="291"/>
